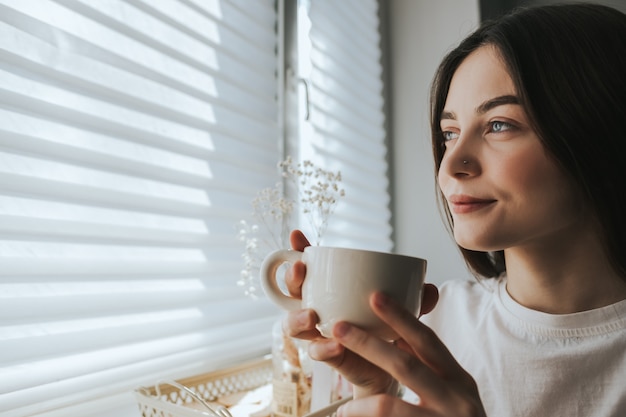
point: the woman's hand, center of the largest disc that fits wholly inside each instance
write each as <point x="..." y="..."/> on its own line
<point x="367" y="377"/>
<point x="418" y="360"/>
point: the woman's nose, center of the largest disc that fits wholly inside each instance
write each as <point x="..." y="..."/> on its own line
<point x="460" y="159"/>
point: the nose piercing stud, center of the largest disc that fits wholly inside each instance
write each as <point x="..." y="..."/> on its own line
<point x="465" y="162"/>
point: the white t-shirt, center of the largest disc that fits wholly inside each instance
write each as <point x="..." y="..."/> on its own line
<point x="532" y="364"/>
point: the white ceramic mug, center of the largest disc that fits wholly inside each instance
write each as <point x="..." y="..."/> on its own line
<point x="339" y="283"/>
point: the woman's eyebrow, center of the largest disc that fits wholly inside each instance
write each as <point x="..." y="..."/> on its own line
<point x="485" y="106"/>
<point x="448" y="115"/>
<point x="495" y="102"/>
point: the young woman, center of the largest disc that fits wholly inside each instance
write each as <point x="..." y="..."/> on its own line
<point x="528" y="122"/>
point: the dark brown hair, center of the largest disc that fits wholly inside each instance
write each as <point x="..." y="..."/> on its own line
<point x="568" y="64"/>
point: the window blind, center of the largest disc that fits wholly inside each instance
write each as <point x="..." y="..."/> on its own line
<point x="133" y="136"/>
<point x="341" y="61"/>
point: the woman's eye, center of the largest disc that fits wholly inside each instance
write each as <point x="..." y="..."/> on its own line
<point x="499" y="126"/>
<point x="448" y="135"/>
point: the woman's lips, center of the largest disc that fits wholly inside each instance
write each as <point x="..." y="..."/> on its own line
<point x="461" y="204"/>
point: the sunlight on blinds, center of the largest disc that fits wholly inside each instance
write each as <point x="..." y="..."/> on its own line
<point x="134" y="135"/>
<point x="340" y="57"/>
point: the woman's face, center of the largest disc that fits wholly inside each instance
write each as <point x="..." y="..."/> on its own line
<point x="502" y="188"/>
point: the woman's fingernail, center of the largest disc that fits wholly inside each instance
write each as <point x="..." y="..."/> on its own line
<point x="341" y="329"/>
<point x="321" y="350"/>
<point x="381" y="300"/>
<point x="340" y="411"/>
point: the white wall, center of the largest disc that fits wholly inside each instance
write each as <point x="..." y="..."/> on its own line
<point x="421" y="32"/>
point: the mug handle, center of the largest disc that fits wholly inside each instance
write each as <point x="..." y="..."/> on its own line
<point x="268" y="277"/>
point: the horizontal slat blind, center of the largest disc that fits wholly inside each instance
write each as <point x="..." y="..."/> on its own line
<point x="347" y="114"/>
<point x="133" y="136"/>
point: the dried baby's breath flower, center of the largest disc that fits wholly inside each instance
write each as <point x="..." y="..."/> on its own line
<point x="271" y="212"/>
<point x="318" y="193"/>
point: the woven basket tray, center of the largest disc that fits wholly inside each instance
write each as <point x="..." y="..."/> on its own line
<point x="170" y="399"/>
<point x="184" y="397"/>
